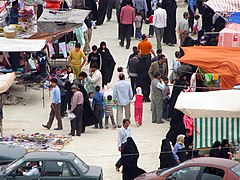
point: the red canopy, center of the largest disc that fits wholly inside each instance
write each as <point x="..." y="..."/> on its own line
<point x="217" y="60"/>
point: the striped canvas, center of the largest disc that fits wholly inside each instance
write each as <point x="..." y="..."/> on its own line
<point x="224" y="5"/>
<point x="217" y="128"/>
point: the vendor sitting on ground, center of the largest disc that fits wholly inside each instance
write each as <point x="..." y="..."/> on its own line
<point x="13" y="18"/>
<point x="34" y="171"/>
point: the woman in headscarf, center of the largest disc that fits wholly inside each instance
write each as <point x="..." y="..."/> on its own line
<point x="177" y="126"/>
<point x="102" y="10"/>
<point x="108" y="63"/>
<point x="225" y="150"/>
<point x="215" y="150"/>
<point x="170" y="31"/>
<point x="166" y="155"/>
<point x="129" y="159"/>
<point x="179" y="151"/>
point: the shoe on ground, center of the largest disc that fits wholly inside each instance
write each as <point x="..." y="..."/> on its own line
<point x="45" y="126"/>
<point x="121" y="44"/>
<point x="70" y="134"/>
<point x="160" y="122"/>
<point x="117" y="169"/>
<point x="106" y="127"/>
<point x="127" y="47"/>
<point x="108" y="20"/>
<point x="78" y="134"/>
<point x="101" y="127"/>
<point x="119" y="126"/>
<point x="58" y="128"/>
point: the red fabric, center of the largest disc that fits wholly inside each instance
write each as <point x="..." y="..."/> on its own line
<point x="55" y="5"/>
<point x="188" y="122"/>
<point x="150" y="19"/>
<point x="138" y="110"/>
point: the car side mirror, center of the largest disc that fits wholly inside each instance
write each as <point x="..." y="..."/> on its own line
<point x="13" y="174"/>
<point x="170" y="178"/>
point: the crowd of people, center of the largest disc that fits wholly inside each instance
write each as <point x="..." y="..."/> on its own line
<point x="82" y="94"/>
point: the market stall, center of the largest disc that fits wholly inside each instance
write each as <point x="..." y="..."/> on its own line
<point x="224" y="5"/>
<point x="218" y="60"/>
<point x="230" y="36"/>
<point x="216" y="115"/>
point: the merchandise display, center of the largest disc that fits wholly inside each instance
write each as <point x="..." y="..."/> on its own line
<point x="37" y="141"/>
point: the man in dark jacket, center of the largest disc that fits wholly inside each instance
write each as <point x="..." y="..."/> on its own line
<point x="132" y="70"/>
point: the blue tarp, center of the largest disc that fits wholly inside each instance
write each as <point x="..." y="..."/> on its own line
<point x="235" y="18"/>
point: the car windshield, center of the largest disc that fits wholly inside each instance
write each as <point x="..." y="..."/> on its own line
<point x="236" y="169"/>
<point x="82" y="165"/>
<point x="165" y="171"/>
<point x="13" y="165"/>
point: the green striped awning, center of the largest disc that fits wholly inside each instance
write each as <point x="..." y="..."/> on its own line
<point x="212" y="129"/>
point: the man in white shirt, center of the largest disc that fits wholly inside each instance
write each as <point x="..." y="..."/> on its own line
<point x="122" y="94"/>
<point x="157" y="98"/>
<point x="123" y="133"/>
<point x="159" y="22"/>
<point x="96" y="76"/>
<point x="34" y="171"/>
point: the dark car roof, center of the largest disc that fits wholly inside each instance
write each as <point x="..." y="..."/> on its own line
<point x="11" y="152"/>
<point x="49" y="155"/>
<point x="211" y="161"/>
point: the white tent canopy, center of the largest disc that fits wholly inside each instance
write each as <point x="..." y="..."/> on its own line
<point x="222" y="103"/>
<point x="19" y="45"/>
<point x="224" y="5"/>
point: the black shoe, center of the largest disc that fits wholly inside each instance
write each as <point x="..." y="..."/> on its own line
<point x="127" y="47"/>
<point x="101" y="127"/>
<point x="58" y="128"/>
<point x="78" y="134"/>
<point x="121" y="44"/>
<point x="71" y="134"/>
<point x="45" y="126"/>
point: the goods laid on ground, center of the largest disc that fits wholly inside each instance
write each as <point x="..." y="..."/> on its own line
<point x="37" y="141"/>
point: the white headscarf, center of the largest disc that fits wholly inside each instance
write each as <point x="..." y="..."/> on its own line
<point x="139" y="91"/>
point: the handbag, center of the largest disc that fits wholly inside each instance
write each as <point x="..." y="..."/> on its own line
<point x="71" y="116"/>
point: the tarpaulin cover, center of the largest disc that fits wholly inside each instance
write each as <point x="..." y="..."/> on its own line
<point x="19" y="45"/>
<point x="230" y="36"/>
<point x="52" y="31"/>
<point x="222" y="103"/>
<point x="218" y="60"/>
<point x="71" y="16"/>
<point x="6" y="81"/>
<point x="235" y="18"/>
<point x="224" y="5"/>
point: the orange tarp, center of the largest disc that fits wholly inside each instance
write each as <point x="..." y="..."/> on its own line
<point x="217" y="60"/>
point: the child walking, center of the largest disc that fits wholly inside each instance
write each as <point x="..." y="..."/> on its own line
<point x="138" y="26"/>
<point x="138" y="106"/>
<point x="151" y="27"/>
<point x="196" y="24"/>
<point x="166" y="94"/>
<point x="108" y="111"/>
<point x="97" y="106"/>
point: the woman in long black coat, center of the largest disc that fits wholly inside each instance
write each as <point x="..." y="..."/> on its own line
<point x="170" y="31"/>
<point x="166" y="155"/>
<point x="102" y="10"/>
<point x="129" y="159"/>
<point x="108" y="63"/>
